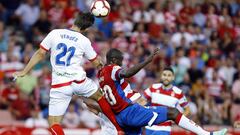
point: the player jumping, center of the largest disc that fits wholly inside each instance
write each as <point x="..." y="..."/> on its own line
<point x="67" y="48"/>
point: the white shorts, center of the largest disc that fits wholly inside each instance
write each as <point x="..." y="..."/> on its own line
<point x="61" y="97"/>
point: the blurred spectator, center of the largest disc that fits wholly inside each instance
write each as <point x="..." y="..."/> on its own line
<point x="194" y="72"/>
<point x="212" y="16"/>
<point x="124" y="24"/>
<point x="8" y="7"/>
<point x="3" y="38"/>
<point x="28" y="14"/>
<point x="20" y="107"/>
<point x="141" y="14"/>
<point x="42" y="26"/>
<point x="69" y="11"/>
<point x="185" y="13"/>
<point x="28" y="51"/>
<point x="28" y="79"/>
<point x="157" y="13"/>
<point x="215" y="86"/>
<point x="120" y="41"/>
<point x="193" y="109"/>
<point x="9" y="94"/>
<point x="199" y="18"/>
<point x="186" y="84"/>
<point x="198" y="88"/>
<point x="55" y="14"/>
<point x="237" y="73"/>
<point x="71" y="118"/>
<point x="236" y="90"/>
<point x="105" y="27"/>
<point x="41" y="92"/>
<point x="183" y="64"/>
<point x="36" y="120"/>
<point x="227" y="71"/>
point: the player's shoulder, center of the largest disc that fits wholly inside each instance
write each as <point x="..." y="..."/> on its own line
<point x="112" y="67"/>
<point x="156" y="85"/>
<point x="177" y="90"/>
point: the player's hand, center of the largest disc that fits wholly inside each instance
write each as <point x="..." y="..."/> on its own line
<point x="19" y="74"/>
<point x="151" y="56"/>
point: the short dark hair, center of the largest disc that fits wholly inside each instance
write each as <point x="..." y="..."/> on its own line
<point x="168" y="69"/>
<point x="113" y="53"/>
<point x="84" y="20"/>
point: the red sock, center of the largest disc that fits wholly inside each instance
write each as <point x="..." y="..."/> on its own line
<point x="56" y="129"/>
<point x="106" y="109"/>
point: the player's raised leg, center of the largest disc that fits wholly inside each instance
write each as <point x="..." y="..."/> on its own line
<point x="184" y="122"/>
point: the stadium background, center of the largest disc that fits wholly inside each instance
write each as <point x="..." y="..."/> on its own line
<point x="200" y="39"/>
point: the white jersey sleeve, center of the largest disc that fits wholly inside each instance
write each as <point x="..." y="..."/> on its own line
<point x="148" y="93"/>
<point x="183" y="101"/>
<point x="89" y="53"/>
<point x="47" y="42"/>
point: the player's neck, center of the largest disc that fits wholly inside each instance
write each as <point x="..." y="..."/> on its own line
<point x="167" y="87"/>
<point x="75" y="28"/>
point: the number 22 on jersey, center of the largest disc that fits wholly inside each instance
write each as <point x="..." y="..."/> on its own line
<point x="65" y="52"/>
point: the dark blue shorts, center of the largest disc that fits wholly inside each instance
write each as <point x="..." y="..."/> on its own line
<point x="134" y="117"/>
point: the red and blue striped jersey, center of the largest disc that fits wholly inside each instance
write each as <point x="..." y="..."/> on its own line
<point x="117" y="91"/>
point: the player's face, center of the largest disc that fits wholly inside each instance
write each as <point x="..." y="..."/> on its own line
<point x="167" y="77"/>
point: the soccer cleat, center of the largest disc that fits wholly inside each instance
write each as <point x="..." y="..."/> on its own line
<point x="220" y="132"/>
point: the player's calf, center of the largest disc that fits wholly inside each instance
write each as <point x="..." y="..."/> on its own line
<point x="54" y="123"/>
<point x="184" y="122"/>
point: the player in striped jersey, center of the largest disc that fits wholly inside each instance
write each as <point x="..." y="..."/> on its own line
<point x="165" y="94"/>
<point x="131" y="116"/>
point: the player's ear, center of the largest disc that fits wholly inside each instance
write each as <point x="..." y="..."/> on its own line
<point x="114" y="60"/>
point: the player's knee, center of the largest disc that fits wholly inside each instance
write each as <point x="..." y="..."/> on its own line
<point x="172" y="113"/>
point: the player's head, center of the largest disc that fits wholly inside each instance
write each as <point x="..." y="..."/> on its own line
<point x="167" y="76"/>
<point x="84" y="20"/>
<point x="114" y="56"/>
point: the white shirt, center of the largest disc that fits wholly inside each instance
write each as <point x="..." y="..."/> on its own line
<point x="28" y="13"/>
<point x="173" y="97"/>
<point x="68" y="50"/>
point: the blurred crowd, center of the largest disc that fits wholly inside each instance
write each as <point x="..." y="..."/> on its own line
<point x="199" y="39"/>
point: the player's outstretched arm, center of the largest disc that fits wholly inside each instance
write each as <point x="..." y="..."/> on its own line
<point x="133" y="70"/>
<point x="38" y="55"/>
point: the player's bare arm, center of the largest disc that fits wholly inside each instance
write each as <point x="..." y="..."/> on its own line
<point x="126" y="73"/>
<point x="97" y="63"/>
<point x="38" y="56"/>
